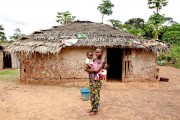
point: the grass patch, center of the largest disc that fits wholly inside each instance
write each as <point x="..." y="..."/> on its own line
<point x="9" y="75"/>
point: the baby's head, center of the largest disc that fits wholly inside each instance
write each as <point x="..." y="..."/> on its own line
<point x="89" y="54"/>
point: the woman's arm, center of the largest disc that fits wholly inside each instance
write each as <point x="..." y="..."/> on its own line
<point x="85" y="67"/>
<point x="97" y="69"/>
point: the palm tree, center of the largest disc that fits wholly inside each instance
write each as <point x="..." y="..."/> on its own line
<point x="105" y="8"/>
<point x="64" y="17"/>
<point x="135" y="22"/>
<point x="157" y="20"/>
<point x="157" y="4"/>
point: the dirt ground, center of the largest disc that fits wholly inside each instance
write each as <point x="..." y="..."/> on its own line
<point x="119" y="101"/>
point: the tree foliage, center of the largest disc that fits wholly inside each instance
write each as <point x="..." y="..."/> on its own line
<point x="16" y="35"/>
<point x="172" y="34"/>
<point x="136" y="31"/>
<point x="115" y="23"/>
<point x="134" y="26"/>
<point x="136" y="22"/>
<point x="105" y="8"/>
<point x="2" y="34"/>
<point x="156" y="19"/>
<point x="155" y="23"/>
<point x="65" y="17"/>
<point x="172" y="57"/>
<point x="157" y="4"/>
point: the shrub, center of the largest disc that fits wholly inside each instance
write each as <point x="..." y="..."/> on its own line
<point x="172" y="57"/>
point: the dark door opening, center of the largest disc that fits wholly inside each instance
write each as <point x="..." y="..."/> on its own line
<point x="114" y="59"/>
<point x="7" y="61"/>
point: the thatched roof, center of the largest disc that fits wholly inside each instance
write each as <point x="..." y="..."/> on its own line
<point x="3" y="45"/>
<point x="1" y="48"/>
<point x="87" y="33"/>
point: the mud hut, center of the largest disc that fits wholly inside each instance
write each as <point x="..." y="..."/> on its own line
<point x="57" y="55"/>
<point x="1" y="57"/>
<point x="8" y="60"/>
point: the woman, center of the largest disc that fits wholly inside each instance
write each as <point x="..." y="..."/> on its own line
<point x="95" y="82"/>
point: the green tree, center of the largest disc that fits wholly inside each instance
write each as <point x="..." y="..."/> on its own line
<point x="2" y="34"/>
<point x="134" y="26"/>
<point x="136" y="31"/>
<point x="157" y="4"/>
<point x="115" y="23"/>
<point x="65" y="17"/>
<point x="136" y="22"/>
<point x="155" y="23"/>
<point x="172" y="34"/>
<point x="149" y="30"/>
<point x="16" y="35"/>
<point x="105" y="8"/>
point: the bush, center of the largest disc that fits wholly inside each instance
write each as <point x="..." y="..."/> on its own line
<point x="171" y="34"/>
<point x="172" y="57"/>
<point x="172" y="37"/>
<point x="161" y="62"/>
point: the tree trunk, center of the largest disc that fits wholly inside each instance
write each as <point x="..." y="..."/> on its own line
<point x="102" y="17"/>
<point x="156" y="33"/>
<point x="65" y="20"/>
<point x="157" y="10"/>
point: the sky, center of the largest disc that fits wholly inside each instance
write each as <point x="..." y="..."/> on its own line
<point x="34" y="15"/>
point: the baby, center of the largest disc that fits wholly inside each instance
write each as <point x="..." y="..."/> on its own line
<point x="89" y="59"/>
<point x="89" y="62"/>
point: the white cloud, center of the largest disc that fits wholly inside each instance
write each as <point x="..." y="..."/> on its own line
<point x="34" y="15"/>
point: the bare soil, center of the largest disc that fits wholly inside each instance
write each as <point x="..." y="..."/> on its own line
<point x="119" y="101"/>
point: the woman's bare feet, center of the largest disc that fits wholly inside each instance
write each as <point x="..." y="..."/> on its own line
<point x="93" y="113"/>
<point x="89" y="111"/>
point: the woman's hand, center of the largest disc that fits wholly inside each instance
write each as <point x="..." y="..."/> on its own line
<point x="97" y="69"/>
<point x="89" y="70"/>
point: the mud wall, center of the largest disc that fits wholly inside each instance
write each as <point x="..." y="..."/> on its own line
<point x="15" y="61"/>
<point x="68" y="66"/>
<point x="143" y="66"/>
<point x="1" y="60"/>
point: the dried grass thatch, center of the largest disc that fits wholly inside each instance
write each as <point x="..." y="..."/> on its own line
<point x="1" y="47"/>
<point x="96" y="34"/>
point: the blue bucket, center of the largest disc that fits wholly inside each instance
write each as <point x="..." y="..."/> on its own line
<point x="85" y="94"/>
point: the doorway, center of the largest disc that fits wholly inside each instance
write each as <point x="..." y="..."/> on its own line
<point x="7" y="61"/>
<point x="114" y="60"/>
